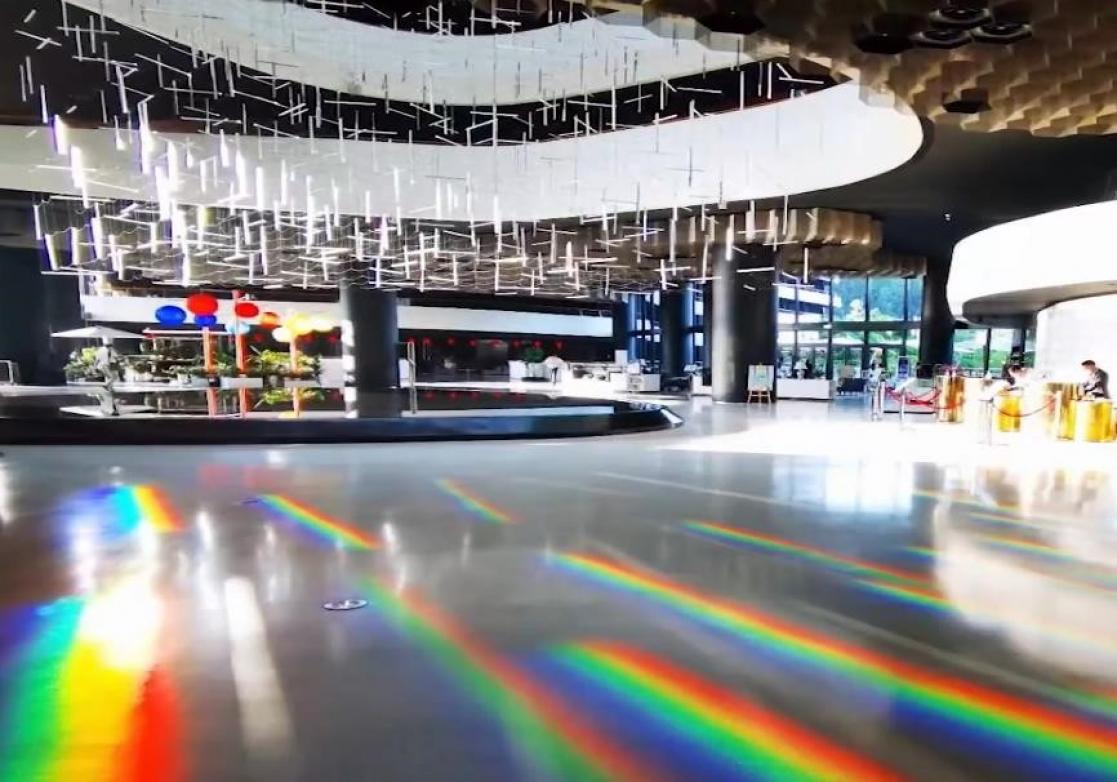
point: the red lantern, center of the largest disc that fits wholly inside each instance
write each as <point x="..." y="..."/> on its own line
<point x="473" y="343"/>
<point x="269" y="320"/>
<point x="246" y="310"/>
<point x="558" y="344"/>
<point x="449" y="340"/>
<point x="537" y="344"/>
<point x="201" y="304"/>
<point x="426" y="340"/>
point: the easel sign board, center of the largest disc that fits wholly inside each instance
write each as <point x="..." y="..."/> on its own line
<point x="761" y="377"/>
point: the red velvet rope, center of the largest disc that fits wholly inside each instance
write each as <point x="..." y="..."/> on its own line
<point x="1050" y="403"/>
<point x="919" y="401"/>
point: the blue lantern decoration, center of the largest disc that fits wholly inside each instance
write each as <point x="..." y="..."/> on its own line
<point x="205" y="321"/>
<point x="170" y="315"/>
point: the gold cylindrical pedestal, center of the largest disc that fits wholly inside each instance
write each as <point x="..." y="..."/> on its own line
<point x="1094" y="421"/>
<point x="1061" y="413"/>
<point x="951" y="399"/>
<point x="1008" y="411"/>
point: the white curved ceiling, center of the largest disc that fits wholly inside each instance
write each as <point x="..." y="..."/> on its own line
<point x="298" y="44"/>
<point x="826" y="139"/>
<point x="1065" y="249"/>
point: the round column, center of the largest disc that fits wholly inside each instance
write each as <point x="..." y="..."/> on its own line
<point x="369" y="338"/>
<point x="744" y="330"/>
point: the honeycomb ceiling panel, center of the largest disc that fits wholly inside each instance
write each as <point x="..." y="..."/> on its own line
<point x="1048" y="67"/>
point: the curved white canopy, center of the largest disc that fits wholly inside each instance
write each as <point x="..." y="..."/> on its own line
<point x="1067" y="249"/>
<point x="826" y="139"/>
<point x="299" y="44"/>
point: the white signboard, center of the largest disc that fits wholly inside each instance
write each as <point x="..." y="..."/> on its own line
<point x="761" y="377"/>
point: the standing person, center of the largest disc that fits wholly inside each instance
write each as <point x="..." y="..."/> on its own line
<point x="875" y="375"/>
<point x="555" y="364"/>
<point x="106" y="362"/>
<point x="1097" y="381"/>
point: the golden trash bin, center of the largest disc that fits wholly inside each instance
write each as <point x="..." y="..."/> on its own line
<point x="951" y="399"/>
<point x="1094" y="421"/>
<point x="1061" y="411"/>
<point x="1007" y="406"/>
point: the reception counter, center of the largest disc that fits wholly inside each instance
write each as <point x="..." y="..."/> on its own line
<point x="798" y="388"/>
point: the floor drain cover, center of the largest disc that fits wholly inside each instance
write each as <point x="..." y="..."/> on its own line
<point x="345" y="605"/>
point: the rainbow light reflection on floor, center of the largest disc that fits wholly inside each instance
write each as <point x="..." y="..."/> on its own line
<point x="739" y="738"/>
<point x="117" y="512"/>
<point x="559" y="742"/>
<point x="83" y="696"/>
<point x="724" y="533"/>
<point x="318" y="524"/>
<point x="904" y="586"/>
<point x="476" y="505"/>
<point x="1036" y="741"/>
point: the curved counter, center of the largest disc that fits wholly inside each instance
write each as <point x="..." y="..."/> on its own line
<point x="211" y="417"/>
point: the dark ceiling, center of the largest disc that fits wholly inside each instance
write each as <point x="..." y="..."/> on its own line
<point x="978" y="179"/>
<point x="963" y="181"/>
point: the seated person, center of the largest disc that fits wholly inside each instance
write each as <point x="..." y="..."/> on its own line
<point x="1096" y="385"/>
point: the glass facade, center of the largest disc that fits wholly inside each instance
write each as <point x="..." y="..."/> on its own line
<point x="828" y="327"/>
<point x="838" y="327"/>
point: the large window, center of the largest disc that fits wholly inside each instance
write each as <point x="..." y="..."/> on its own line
<point x="849" y="298"/>
<point x="886" y="298"/>
<point x="836" y="327"/>
<point x="1000" y="349"/>
<point x="970" y="347"/>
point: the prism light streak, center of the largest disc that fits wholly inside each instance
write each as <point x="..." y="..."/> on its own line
<point x="118" y="512"/>
<point x="924" y="598"/>
<point x="1064" y="739"/>
<point x="154" y="509"/>
<point x="557" y="739"/>
<point x="760" y="743"/>
<point x="319" y="524"/>
<point x="477" y="506"/>
<point x="725" y="534"/>
<point x="88" y="702"/>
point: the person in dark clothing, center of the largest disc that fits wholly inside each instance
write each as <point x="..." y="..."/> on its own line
<point x="1097" y="381"/>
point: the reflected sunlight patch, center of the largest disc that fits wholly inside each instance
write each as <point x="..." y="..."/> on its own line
<point x="755" y="742"/>
<point x="86" y="700"/>
<point x="1027" y="735"/>
<point x="557" y="740"/>
<point x="474" y="504"/>
<point x="321" y="526"/>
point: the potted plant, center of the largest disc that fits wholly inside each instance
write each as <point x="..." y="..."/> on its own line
<point x="82" y="367"/>
<point x="271" y="365"/>
<point x="306" y="372"/>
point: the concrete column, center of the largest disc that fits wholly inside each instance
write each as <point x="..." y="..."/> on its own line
<point x="63" y="312"/>
<point x="620" y="325"/>
<point x="744" y="329"/>
<point x="24" y="327"/>
<point x="671" y="332"/>
<point x="369" y="338"/>
<point x="936" y="335"/>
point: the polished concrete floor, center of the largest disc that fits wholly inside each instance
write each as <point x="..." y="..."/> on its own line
<point x="765" y="595"/>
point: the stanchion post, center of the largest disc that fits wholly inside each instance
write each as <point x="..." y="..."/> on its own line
<point x="1058" y="413"/>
